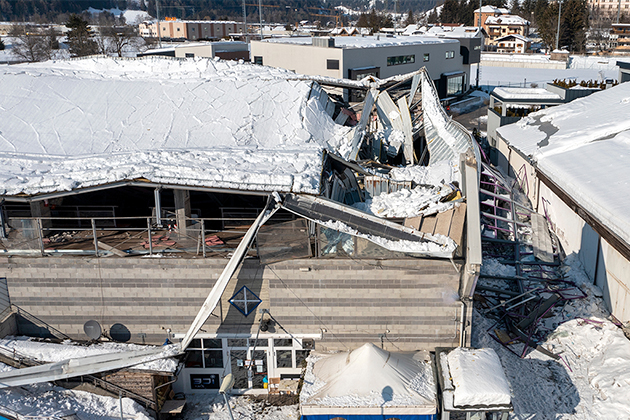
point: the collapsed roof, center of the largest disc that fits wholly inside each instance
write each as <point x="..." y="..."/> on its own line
<point x="72" y="124"/>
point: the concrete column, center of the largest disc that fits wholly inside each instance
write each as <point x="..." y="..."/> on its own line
<point x="182" y="210"/>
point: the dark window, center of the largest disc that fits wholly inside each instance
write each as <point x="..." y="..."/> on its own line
<point x="211" y="343"/>
<point x="300" y="357"/>
<point x="213" y="358"/>
<point x="282" y="342"/>
<point x="194" y="359"/>
<point x="237" y="342"/>
<point x="332" y="64"/>
<point x="283" y="358"/>
<point x="190" y="55"/>
<point x="258" y="60"/>
<point x="401" y="59"/>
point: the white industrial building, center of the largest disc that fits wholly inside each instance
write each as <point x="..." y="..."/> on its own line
<point x="359" y="57"/>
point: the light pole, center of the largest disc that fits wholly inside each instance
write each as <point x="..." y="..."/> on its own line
<point x="481" y="46"/>
<point x="558" y="32"/>
<point x="157" y="12"/>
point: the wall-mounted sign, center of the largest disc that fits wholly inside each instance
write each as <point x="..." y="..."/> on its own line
<point x="204" y="381"/>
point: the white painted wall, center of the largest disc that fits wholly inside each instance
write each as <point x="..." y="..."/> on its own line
<point x="303" y="59"/>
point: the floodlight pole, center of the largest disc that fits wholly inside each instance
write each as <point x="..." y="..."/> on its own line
<point x="244" y="21"/>
<point x="157" y="12"/>
<point x="260" y="17"/>
<point x="558" y="32"/>
<point x="481" y="46"/>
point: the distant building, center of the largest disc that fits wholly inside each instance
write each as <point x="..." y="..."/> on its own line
<point x="227" y="50"/>
<point x="498" y="23"/>
<point x="513" y="43"/>
<point x="621" y="32"/>
<point x="608" y="7"/>
<point x="359" y="57"/>
<point x="191" y="30"/>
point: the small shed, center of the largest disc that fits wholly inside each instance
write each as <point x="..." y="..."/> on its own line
<point x="472" y="381"/>
<point x="369" y="383"/>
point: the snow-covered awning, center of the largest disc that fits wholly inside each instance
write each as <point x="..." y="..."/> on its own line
<point x="369" y="381"/>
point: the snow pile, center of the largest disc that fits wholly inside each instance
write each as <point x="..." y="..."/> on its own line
<point x="419" y="201"/>
<point x="584" y="147"/>
<point x="47" y="400"/>
<point x="440" y="246"/>
<point x="369" y="377"/>
<point x="191" y="122"/>
<point x="591" y="381"/>
<point x="436" y="174"/>
<point x="478" y="378"/>
<point x="212" y="407"/>
<point x="51" y="352"/>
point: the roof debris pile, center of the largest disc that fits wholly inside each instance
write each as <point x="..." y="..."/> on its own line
<point x="531" y="287"/>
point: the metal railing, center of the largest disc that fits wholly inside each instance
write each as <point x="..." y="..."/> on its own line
<point x="121" y="236"/>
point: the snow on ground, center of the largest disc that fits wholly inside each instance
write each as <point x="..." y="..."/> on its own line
<point x="212" y="407"/>
<point x="52" y="352"/>
<point x="581" y="68"/>
<point x="48" y="400"/>
<point x="592" y="381"/>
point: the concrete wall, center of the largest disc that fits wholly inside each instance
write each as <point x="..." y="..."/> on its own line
<point x="437" y="64"/>
<point x="304" y="59"/>
<point x="414" y="302"/>
<point x="308" y="59"/>
<point x="537" y="64"/>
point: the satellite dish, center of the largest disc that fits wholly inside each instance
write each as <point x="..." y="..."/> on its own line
<point x="92" y="329"/>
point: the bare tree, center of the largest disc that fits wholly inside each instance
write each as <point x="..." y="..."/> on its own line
<point x="31" y="44"/>
<point x="115" y="39"/>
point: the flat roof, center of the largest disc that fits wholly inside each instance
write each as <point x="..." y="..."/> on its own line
<point x="529" y="94"/>
<point x="584" y="148"/>
<point x="373" y="41"/>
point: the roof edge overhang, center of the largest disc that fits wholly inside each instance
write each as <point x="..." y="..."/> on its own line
<point x="140" y="182"/>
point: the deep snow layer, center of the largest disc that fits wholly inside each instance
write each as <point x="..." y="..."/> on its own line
<point x="77" y="123"/>
<point x="593" y="379"/>
<point x="584" y="147"/>
<point x="52" y="352"/>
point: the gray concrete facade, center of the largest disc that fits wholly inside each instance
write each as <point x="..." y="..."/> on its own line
<point x="407" y="304"/>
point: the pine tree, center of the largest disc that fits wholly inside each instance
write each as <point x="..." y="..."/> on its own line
<point x="411" y="20"/>
<point x="80" y="42"/>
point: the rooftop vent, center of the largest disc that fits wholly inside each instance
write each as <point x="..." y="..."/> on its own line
<point x="324" y="41"/>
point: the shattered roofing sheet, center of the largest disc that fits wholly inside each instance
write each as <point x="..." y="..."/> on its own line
<point x="584" y="147"/>
<point x="78" y="123"/>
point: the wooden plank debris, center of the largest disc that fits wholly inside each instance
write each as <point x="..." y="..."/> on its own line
<point x="541" y="240"/>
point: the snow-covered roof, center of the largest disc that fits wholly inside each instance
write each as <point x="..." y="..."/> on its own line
<point x="493" y="9"/>
<point x="368" y="41"/>
<point x="442" y="31"/>
<point x="529" y="94"/>
<point x="506" y="20"/>
<point x="71" y="124"/>
<point x="476" y="378"/>
<point x="52" y="352"/>
<point x="515" y="36"/>
<point x="368" y="380"/>
<point x="584" y="147"/>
